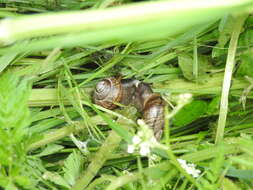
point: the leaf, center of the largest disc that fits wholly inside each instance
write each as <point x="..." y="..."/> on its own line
<point x="14" y="122"/>
<point x="23" y="181"/>
<point x="156" y="173"/>
<point x="6" y="59"/>
<point x="185" y="62"/>
<point x="246" y="65"/>
<point x="228" y="184"/>
<point x="190" y="112"/>
<point x="14" y="112"/>
<point x="241" y="174"/>
<point x="56" y="178"/>
<point x="213" y="106"/>
<point x="50" y="149"/>
<point x="225" y="29"/>
<point x="73" y="167"/>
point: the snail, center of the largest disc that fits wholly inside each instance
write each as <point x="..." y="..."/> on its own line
<point x="110" y="91"/>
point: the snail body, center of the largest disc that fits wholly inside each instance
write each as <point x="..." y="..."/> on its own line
<point x="130" y="91"/>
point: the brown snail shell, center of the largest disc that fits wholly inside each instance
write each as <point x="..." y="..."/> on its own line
<point x="107" y="92"/>
<point x="153" y="114"/>
<point x="129" y="91"/>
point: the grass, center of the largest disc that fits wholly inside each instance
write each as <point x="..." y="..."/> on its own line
<point x="54" y="52"/>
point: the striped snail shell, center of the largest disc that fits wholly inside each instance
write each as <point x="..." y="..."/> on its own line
<point x="130" y="91"/>
<point x="153" y="114"/>
<point x="107" y="92"/>
<point x="152" y="108"/>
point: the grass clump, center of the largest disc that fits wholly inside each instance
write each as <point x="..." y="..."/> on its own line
<point x="196" y="54"/>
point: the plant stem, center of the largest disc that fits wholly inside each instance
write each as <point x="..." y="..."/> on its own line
<point x="54" y="136"/>
<point x="129" y="22"/>
<point x="98" y="161"/>
<point x="228" y="77"/>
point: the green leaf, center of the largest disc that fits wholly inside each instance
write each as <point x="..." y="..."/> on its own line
<point x="246" y="65"/>
<point x="6" y="59"/>
<point x="228" y="184"/>
<point x="73" y="167"/>
<point x="213" y="106"/>
<point x="190" y="112"/>
<point x="185" y="62"/>
<point x="50" y="149"/>
<point x="56" y="178"/>
<point x="23" y="181"/>
<point x="14" y="122"/>
<point x="225" y="29"/>
<point x="156" y="173"/>
<point x="242" y="174"/>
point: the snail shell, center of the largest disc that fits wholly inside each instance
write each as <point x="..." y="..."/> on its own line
<point x="153" y="114"/>
<point x="114" y="90"/>
<point x="129" y="91"/>
<point x="107" y="92"/>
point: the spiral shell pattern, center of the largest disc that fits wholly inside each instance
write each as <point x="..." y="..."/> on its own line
<point x="107" y="92"/>
<point x="129" y="91"/>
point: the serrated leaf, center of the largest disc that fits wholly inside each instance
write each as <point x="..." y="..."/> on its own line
<point x="73" y="167"/>
<point x="56" y="178"/>
<point x="190" y="112"/>
<point x="14" y="122"/>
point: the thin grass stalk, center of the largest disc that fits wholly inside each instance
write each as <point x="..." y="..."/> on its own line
<point x="230" y="63"/>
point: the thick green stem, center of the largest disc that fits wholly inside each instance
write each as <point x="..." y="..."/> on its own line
<point x="128" y="22"/>
<point x="228" y="77"/>
<point x="111" y="142"/>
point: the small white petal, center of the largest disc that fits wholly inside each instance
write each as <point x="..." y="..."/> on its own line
<point x="140" y="122"/>
<point x="153" y="140"/>
<point x="130" y="149"/>
<point x="189" y="170"/>
<point x="144" y="144"/>
<point x="192" y="165"/>
<point x="144" y="151"/>
<point x="136" y="140"/>
<point x="182" y="162"/>
<point x="187" y="95"/>
<point x="196" y="173"/>
<point x="144" y="148"/>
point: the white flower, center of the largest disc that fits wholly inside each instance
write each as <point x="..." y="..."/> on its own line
<point x="144" y="140"/>
<point x="184" y="98"/>
<point x="182" y="162"/>
<point x="144" y="148"/>
<point x="130" y="149"/>
<point x="141" y="122"/>
<point x="189" y="168"/>
<point x="136" y="140"/>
